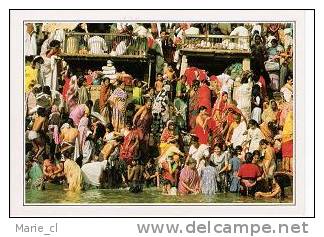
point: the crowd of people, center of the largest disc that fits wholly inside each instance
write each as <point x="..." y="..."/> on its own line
<point x="190" y="132"/>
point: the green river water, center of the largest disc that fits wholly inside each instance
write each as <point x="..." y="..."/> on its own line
<point x="54" y="194"/>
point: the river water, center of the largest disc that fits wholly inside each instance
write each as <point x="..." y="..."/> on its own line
<point x="54" y="194"/>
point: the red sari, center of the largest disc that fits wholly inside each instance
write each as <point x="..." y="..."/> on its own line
<point x="193" y="109"/>
<point x="128" y="149"/>
<point x="204" y="98"/>
<point x="202" y="132"/>
<point x="66" y="87"/>
<point x="190" y="74"/>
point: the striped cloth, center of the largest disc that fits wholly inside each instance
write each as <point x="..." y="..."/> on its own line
<point x="97" y="45"/>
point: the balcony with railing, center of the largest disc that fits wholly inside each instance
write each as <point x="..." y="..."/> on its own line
<point x="103" y="45"/>
<point x="216" y="44"/>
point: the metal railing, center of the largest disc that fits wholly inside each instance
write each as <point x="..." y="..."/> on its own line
<point x="101" y="44"/>
<point x="217" y="42"/>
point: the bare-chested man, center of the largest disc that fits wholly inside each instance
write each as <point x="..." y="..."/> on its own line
<point x="38" y="129"/>
<point x="110" y="147"/>
<point x="69" y="134"/>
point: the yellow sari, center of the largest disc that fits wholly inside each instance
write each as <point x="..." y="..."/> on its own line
<point x="73" y="175"/>
<point x="287" y="132"/>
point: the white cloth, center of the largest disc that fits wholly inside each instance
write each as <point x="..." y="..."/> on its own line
<point x="49" y="72"/>
<point x="97" y="45"/>
<point x="241" y="31"/>
<point x="192" y="31"/>
<point x="202" y="152"/>
<point x="91" y="172"/>
<point x="238" y="137"/>
<point x="76" y="153"/>
<point x="57" y="99"/>
<point x="30" y="44"/>
<point x="253" y="138"/>
<point x="287" y="94"/>
<point x="32" y="135"/>
<point x="59" y="35"/>
<point x="192" y="150"/>
<point x="227" y="83"/>
<point x="244" y="99"/>
<point x="257" y="112"/>
<point x="109" y="136"/>
<point x="256" y="27"/>
<point x="121" y="48"/>
<point x="45" y="47"/>
<point x="87" y="150"/>
<point x="140" y="30"/>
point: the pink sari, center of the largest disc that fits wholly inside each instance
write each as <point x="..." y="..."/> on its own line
<point x="190" y="178"/>
<point x="77" y="112"/>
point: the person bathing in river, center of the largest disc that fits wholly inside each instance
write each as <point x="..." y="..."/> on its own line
<point x="280" y="181"/>
<point x="151" y="175"/>
<point x="52" y="169"/>
<point x="135" y="176"/>
<point x="169" y="174"/>
<point x="208" y="179"/>
<point x="249" y="175"/>
<point x="110" y="147"/>
<point x="189" y="181"/>
<point x="72" y="171"/>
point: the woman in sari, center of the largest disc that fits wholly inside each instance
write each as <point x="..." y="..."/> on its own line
<point x="130" y="147"/>
<point x="169" y="137"/>
<point x="219" y="159"/>
<point x="143" y="120"/>
<point x="86" y="145"/>
<point x="268" y="130"/>
<point x="105" y="91"/>
<point x="245" y="94"/>
<point x="202" y="129"/>
<point x="286" y="108"/>
<point x="193" y="104"/>
<point x="269" y="160"/>
<point x="71" y="170"/>
<point x="49" y="67"/>
<point x="271" y="113"/>
<point x="287" y="145"/>
<point x="189" y="181"/>
<point x="118" y="100"/>
<point x="204" y="96"/>
<point x="219" y="107"/>
<point x="254" y="136"/>
<point x="230" y="113"/>
<point x="35" y="176"/>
